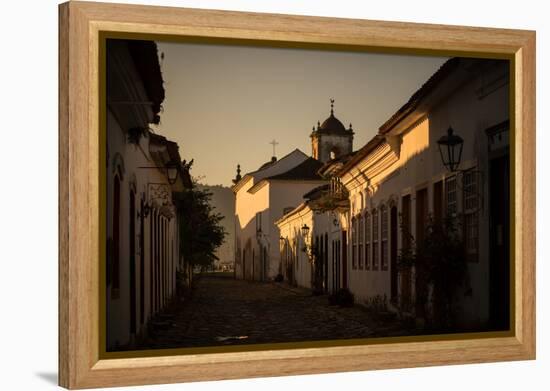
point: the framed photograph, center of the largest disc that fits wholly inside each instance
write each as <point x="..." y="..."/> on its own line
<point x="249" y="195"/>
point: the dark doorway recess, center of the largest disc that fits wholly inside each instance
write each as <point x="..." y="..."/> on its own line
<point x="499" y="243"/>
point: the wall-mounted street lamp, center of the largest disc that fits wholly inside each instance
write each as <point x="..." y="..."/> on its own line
<point x="335" y="221"/>
<point x="156" y="192"/>
<point x="161" y="190"/>
<point x="450" y="149"/>
<point x="172" y="173"/>
<point x="170" y="170"/>
<point x="305" y="230"/>
<point x="146" y="209"/>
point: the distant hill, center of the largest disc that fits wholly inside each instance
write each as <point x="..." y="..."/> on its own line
<point x="223" y="201"/>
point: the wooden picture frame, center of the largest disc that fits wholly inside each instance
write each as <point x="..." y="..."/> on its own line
<point x="81" y="25"/>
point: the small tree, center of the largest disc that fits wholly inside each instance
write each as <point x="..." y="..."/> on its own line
<point x="200" y="230"/>
<point x="440" y="264"/>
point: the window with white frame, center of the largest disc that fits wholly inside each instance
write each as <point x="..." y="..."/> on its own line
<point x="367" y="240"/>
<point x="451" y="196"/>
<point x="360" y="228"/>
<point x="470" y="198"/>
<point x="353" y="243"/>
<point x="384" y="237"/>
<point x="299" y="253"/>
<point x="375" y="248"/>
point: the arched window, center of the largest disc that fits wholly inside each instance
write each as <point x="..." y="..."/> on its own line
<point x="334" y="152"/>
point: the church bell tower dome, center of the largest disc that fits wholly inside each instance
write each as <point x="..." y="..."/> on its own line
<point x="331" y="139"/>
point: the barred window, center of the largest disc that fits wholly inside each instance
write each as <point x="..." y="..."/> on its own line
<point x="384" y="237"/>
<point x="375" y="248"/>
<point x="451" y="196"/>
<point x="353" y="243"/>
<point x="367" y="241"/>
<point x="471" y="217"/>
<point x="360" y="227"/>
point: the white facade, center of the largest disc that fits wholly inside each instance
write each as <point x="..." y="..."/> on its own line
<point x="259" y="202"/>
<point x="403" y="178"/>
<point x="297" y="264"/>
<point x="263" y="197"/>
<point x="142" y="230"/>
<point x="397" y="183"/>
<point x="316" y="261"/>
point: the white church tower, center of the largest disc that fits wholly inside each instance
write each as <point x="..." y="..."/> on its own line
<point x="331" y="140"/>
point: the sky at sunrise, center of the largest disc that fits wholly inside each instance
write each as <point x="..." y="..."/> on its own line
<point x="224" y="104"/>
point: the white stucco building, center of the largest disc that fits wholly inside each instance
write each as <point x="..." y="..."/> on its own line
<point x="142" y="244"/>
<point x="317" y="256"/>
<point x="262" y="197"/>
<point x="397" y="183"/>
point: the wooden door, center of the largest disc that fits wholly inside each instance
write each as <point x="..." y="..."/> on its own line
<point x="420" y="275"/>
<point x="344" y="260"/>
<point x="132" y="250"/>
<point x="499" y="243"/>
<point x="405" y="279"/>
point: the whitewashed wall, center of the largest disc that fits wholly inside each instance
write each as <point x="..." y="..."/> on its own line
<point x="393" y="174"/>
<point x="132" y="157"/>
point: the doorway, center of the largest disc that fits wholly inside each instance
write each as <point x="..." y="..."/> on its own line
<point x="132" y="263"/>
<point x="499" y="242"/>
<point x="406" y="288"/>
<point x="344" y="260"/>
<point x="420" y="275"/>
<point x="141" y="262"/>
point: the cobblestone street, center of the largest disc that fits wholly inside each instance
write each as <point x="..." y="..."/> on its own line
<point x="222" y="309"/>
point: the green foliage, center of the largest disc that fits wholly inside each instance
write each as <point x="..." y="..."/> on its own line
<point x="200" y="230"/>
<point x="440" y="263"/>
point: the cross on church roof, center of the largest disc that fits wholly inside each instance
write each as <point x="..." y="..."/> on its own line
<point x="274" y="143"/>
<point x="331" y="106"/>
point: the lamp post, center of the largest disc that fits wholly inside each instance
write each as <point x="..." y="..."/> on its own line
<point x="307" y="245"/>
<point x="172" y="176"/>
<point x="305" y="231"/>
<point x="450" y="149"/>
<point x="172" y="173"/>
